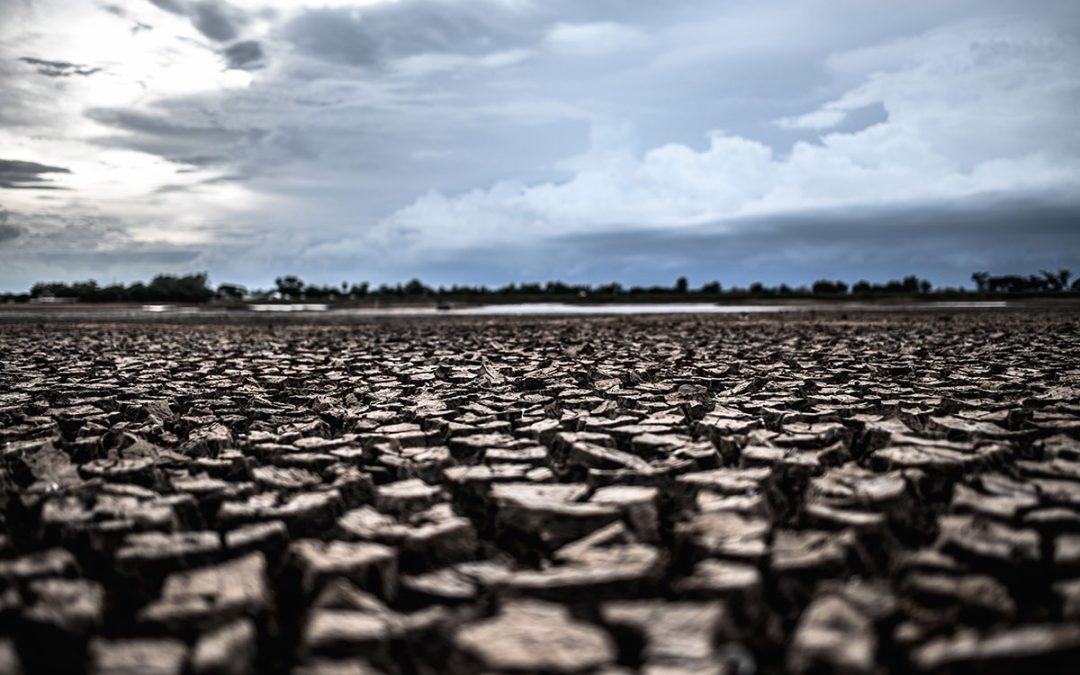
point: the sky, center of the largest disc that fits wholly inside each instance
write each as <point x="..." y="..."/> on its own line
<point x="496" y="141"/>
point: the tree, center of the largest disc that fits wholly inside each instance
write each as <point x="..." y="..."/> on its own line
<point x="291" y="287"/>
<point x="682" y="285"/>
<point x="981" y="280"/>
<point x="359" y="290"/>
<point x="557" y="288"/>
<point x="138" y="292"/>
<point x="416" y="287"/>
<point x="826" y="287"/>
<point x="1059" y="281"/>
<point x="187" y="288"/>
<point x="113" y="293"/>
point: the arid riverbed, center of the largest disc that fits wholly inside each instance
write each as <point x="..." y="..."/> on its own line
<point x="863" y="493"/>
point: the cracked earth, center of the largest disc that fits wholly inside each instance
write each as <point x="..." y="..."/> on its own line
<point x="868" y="494"/>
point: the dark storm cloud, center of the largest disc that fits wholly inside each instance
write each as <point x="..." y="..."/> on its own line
<point x="115" y="10"/>
<point x="58" y="68"/>
<point x="132" y="256"/>
<point x="333" y="35"/>
<point x="7" y="231"/>
<point x="198" y="161"/>
<point x="944" y="242"/>
<point x="172" y="6"/>
<point x="382" y="32"/>
<point x="55" y="245"/>
<point x="19" y="175"/>
<point x="153" y="125"/>
<point x="393" y="30"/>
<point x="195" y="187"/>
<point x="212" y="21"/>
<point x="169" y="135"/>
<point x="245" y="55"/>
<point x="216" y="20"/>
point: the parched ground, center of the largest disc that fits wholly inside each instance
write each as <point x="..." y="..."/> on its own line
<point x="864" y="494"/>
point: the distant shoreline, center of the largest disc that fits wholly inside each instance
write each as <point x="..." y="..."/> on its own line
<point x="259" y="312"/>
<point x="928" y="300"/>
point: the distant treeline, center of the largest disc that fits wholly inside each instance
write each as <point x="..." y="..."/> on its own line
<point x="162" y="288"/>
<point x="195" y="288"/>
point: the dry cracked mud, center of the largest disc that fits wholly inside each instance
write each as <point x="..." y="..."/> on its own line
<point x="725" y="495"/>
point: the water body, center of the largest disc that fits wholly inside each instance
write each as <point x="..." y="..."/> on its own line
<point x="291" y="307"/>
<point x="559" y="308"/>
<point x="78" y="312"/>
<point x="635" y="309"/>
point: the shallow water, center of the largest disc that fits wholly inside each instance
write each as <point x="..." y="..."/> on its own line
<point x="127" y="312"/>
<point x="310" y="307"/>
<point x="542" y="308"/>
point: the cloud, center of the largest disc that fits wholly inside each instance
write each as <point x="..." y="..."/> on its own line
<point x="824" y="118"/>
<point x="53" y="245"/>
<point x="1006" y="233"/>
<point x="333" y="35"/>
<point x="194" y="138"/>
<point x="430" y="63"/>
<point x="983" y="109"/>
<point x="171" y="6"/>
<point x="834" y="118"/>
<point x="385" y="32"/>
<point x="213" y="21"/>
<point x="944" y="242"/>
<point x="400" y="138"/>
<point x="218" y="21"/>
<point x="59" y="68"/>
<point x="244" y="55"/>
<point x="591" y="39"/>
<point x="7" y="231"/>
<point x="201" y="184"/>
<point x="19" y="175"/>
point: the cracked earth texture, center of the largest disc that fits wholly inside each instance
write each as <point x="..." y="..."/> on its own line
<point x="867" y="494"/>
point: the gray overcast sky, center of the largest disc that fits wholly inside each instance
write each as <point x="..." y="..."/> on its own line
<point x="487" y="141"/>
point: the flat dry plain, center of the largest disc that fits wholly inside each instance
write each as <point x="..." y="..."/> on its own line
<point x="866" y="493"/>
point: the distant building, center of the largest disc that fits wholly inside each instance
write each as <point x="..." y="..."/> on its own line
<point x="49" y="298"/>
<point x="232" y="292"/>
